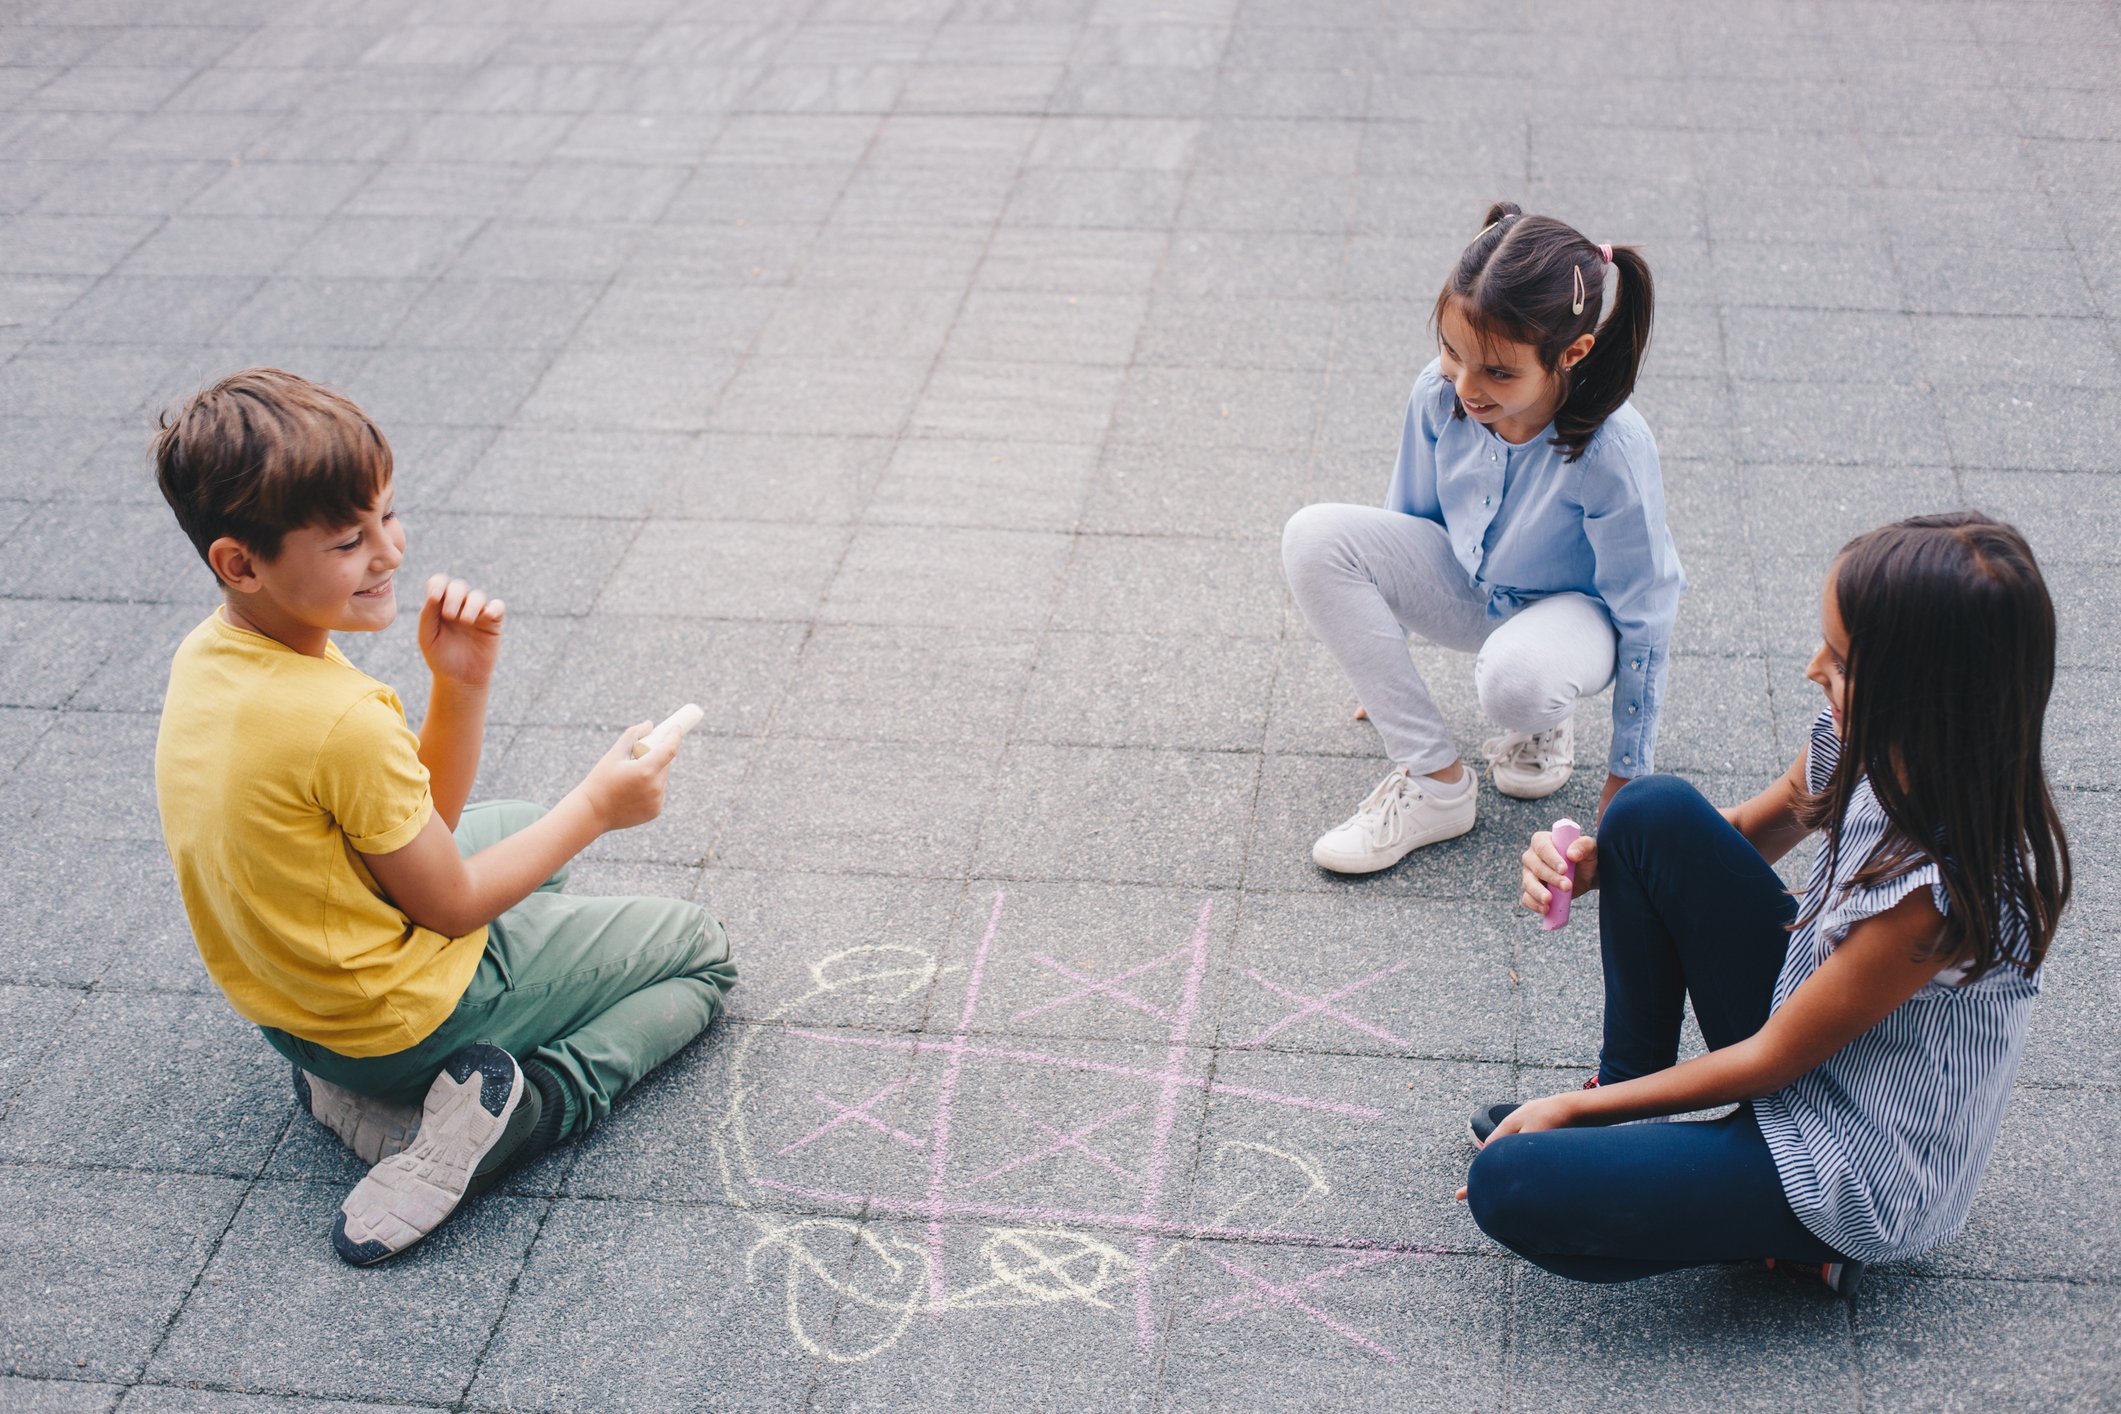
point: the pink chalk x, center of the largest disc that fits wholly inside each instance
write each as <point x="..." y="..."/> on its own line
<point x="1566" y="833"/>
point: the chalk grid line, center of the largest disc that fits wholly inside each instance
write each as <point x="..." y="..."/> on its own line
<point x="1023" y="1243"/>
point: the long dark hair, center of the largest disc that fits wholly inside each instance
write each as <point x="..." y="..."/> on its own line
<point x="1519" y="281"/>
<point x="1951" y="657"/>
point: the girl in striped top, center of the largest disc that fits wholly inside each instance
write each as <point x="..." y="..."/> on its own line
<point x="1870" y="1030"/>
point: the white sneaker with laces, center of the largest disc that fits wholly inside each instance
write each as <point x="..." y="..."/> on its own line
<point x="1532" y="765"/>
<point x="1397" y="818"/>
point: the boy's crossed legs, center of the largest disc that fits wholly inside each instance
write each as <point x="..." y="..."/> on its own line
<point x="589" y="993"/>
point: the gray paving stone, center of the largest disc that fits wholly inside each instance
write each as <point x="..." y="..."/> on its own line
<point x="1301" y="797"/>
<point x="946" y="576"/>
<point x="1104" y="689"/>
<point x="83" y="779"/>
<point x="37" y="1017"/>
<point x="1092" y="963"/>
<point x="530" y="657"/>
<point x="175" y="1399"/>
<point x="906" y="255"/>
<point x="1208" y="588"/>
<point x="1812" y="511"/>
<point x="420" y="1335"/>
<point x="605" y="473"/>
<point x="92" y="1102"/>
<point x="834" y="949"/>
<point x="697" y="319"/>
<point x="998" y="485"/>
<point x="1942" y="1343"/>
<point x="746" y="1123"/>
<point x="2016" y="427"/>
<point x="916" y="812"/>
<point x="1121" y="815"/>
<point x="1840" y="424"/>
<point x="843" y="324"/>
<point x="496" y="314"/>
<point x="574" y="1334"/>
<point x="638" y="388"/>
<point x="1343" y="1327"/>
<point x="2042" y="1205"/>
<point x="47" y="651"/>
<point x="102" y="1262"/>
<point x="1341" y="1150"/>
<point x="542" y="764"/>
<point x="1047" y="402"/>
<point x="219" y="245"/>
<point x="382" y="247"/>
<point x="107" y="913"/>
<point x="1689" y="1338"/>
<point x="58" y="1396"/>
<point x="725" y="569"/>
<point x="1194" y="491"/>
<point x="360" y="313"/>
<point x="1043" y="1316"/>
<point x="539" y="564"/>
<point x="1381" y="977"/>
<point x="743" y="194"/>
<point x="844" y="396"/>
<point x="1217" y="407"/>
<point x="630" y="668"/>
<point x="744" y="476"/>
<point x="930" y="686"/>
<point x="1071" y="261"/>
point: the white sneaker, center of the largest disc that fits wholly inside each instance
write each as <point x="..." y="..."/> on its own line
<point x="1532" y="765"/>
<point x="1397" y="818"/>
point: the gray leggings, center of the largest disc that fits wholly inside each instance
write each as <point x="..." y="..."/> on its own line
<point x="1365" y="578"/>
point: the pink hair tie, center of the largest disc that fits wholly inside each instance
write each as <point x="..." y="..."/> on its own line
<point x="1607" y="252"/>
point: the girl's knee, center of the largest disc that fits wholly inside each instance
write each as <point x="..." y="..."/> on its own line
<point x="1518" y="693"/>
<point x="1314" y="541"/>
<point x="1496" y="1191"/>
<point x="1650" y="806"/>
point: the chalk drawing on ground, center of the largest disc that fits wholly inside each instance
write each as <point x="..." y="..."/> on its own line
<point x="811" y="1165"/>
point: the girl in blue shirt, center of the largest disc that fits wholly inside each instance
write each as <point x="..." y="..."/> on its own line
<point x="1524" y="524"/>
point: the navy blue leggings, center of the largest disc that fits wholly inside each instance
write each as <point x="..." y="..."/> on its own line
<point x="1687" y="908"/>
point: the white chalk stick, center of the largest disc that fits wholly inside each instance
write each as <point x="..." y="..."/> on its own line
<point x="675" y="725"/>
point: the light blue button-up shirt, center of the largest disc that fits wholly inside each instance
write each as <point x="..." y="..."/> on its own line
<point x="1526" y="524"/>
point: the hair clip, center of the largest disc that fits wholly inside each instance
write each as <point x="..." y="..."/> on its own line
<point x="1576" y="273"/>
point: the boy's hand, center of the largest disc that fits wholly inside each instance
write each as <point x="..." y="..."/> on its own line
<point x="460" y="632"/>
<point x="1543" y="865"/>
<point x="624" y="791"/>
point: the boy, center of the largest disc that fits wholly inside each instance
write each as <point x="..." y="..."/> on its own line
<point x="449" y="1013"/>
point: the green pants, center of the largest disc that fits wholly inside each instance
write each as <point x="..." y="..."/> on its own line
<point x="600" y="990"/>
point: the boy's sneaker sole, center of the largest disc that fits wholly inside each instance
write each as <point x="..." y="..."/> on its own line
<point x="474" y="1119"/>
<point x="374" y="1129"/>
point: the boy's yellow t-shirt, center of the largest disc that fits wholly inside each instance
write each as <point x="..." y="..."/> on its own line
<point x="275" y="773"/>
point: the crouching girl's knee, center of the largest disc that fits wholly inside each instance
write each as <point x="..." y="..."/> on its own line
<point x="1516" y="691"/>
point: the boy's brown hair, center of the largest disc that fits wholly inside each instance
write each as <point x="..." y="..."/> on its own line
<point x="264" y="452"/>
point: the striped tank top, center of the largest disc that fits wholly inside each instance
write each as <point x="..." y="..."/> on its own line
<point x="1880" y="1149"/>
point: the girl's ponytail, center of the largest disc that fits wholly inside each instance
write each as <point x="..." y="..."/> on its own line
<point x="1534" y="280"/>
<point x="1605" y="377"/>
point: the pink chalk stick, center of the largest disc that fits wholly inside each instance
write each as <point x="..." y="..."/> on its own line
<point x="1566" y="833"/>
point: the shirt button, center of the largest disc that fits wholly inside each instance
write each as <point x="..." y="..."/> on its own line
<point x="1487" y="500"/>
<point x="1636" y="664"/>
<point x="1491" y="456"/>
<point x="1627" y="760"/>
<point x="1631" y="709"/>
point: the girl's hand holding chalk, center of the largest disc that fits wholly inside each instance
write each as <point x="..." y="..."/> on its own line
<point x="1547" y="871"/>
<point x="671" y="728"/>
